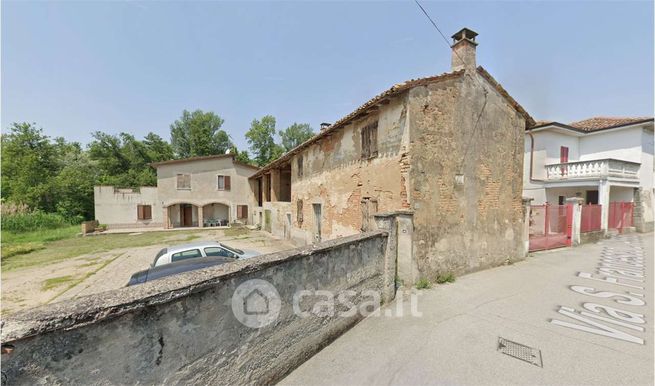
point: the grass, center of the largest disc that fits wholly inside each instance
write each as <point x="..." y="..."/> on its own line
<point x="423" y="283"/>
<point x="56" y="282"/>
<point x="236" y="231"/>
<point x="47" y="247"/>
<point x="446" y="278"/>
<point x="72" y="281"/>
<point x="20" y="243"/>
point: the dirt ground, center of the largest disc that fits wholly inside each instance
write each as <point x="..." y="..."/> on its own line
<point x="88" y="274"/>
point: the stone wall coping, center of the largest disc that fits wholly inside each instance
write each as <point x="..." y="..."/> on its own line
<point x="93" y="308"/>
<point x="394" y="213"/>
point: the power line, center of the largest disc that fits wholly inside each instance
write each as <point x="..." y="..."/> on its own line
<point x="484" y="89"/>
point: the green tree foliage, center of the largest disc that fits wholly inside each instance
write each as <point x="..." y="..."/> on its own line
<point x="261" y="141"/>
<point x="295" y="134"/>
<point x="29" y="163"/>
<point x="124" y="161"/>
<point x="241" y="156"/>
<point x="199" y="133"/>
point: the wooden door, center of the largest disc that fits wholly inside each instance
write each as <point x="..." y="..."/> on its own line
<point x="187" y="216"/>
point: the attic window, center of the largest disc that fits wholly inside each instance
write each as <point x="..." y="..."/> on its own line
<point x="370" y="141"/>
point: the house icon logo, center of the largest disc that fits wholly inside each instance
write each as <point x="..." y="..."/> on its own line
<point x="256" y="303"/>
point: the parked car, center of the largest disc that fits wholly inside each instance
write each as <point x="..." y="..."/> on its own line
<point x="154" y="273"/>
<point x="200" y="249"/>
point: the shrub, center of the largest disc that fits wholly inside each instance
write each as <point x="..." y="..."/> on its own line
<point x="423" y="283"/>
<point x="32" y="221"/>
<point x="445" y="278"/>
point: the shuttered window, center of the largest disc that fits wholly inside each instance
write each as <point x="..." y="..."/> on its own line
<point x="370" y="141"/>
<point x="242" y="211"/>
<point x="144" y="212"/>
<point x="223" y="183"/>
<point x="184" y="181"/>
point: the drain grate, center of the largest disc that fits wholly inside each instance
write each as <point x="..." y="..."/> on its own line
<point x="520" y="351"/>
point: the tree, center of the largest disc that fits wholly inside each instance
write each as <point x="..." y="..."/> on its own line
<point x="260" y="139"/>
<point x="199" y="133"/>
<point x="295" y="134"/>
<point x="241" y="156"/>
<point x="28" y="166"/>
<point x="124" y="161"/>
<point x="157" y="148"/>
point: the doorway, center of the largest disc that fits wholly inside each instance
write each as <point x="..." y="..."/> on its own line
<point x="317" y="222"/>
<point x="186" y="212"/>
<point x="591" y="197"/>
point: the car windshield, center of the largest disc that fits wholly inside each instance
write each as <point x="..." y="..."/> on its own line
<point x="237" y="251"/>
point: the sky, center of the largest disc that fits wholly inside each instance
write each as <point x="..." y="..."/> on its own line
<point x="77" y="67"/>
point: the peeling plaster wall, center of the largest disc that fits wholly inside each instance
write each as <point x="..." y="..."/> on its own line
<point x="182" y="329"/>
<point x="335" y="176"/>
<point x="464" y="226"/>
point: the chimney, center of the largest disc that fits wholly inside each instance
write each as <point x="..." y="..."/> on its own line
<point x="325" y="125"/>
<point x="463" y="50"/>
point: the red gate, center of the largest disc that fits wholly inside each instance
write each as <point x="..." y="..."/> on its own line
<point x="550" y="226"/>
<point x="620" y="215"/>
<point x="590" y="218"/>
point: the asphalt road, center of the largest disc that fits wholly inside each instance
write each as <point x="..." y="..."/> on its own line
<point x="536" y="303"/>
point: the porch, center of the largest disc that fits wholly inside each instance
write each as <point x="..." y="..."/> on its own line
<point x="188" y="215"/>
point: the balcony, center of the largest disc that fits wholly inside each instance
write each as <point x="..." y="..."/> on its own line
<point x="592" y="169"/>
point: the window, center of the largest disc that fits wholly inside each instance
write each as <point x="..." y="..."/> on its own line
<point x="242" y="211"/>
<point x="300" y="166"/>
<point x="144" y="212"/>
<point x="370" y="141"/>
<point x="190" y="254"/>
<point x="184" y="181"/>
<point x="218" y="251"/>
<point x="223" y="183"/>
<point x="299" y="217"/>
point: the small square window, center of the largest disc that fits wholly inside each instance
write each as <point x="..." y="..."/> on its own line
<point x="184" y="181"/>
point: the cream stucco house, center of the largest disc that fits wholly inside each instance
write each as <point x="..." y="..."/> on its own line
<point x="191" y="192"/>
<point x="601" y="160"/>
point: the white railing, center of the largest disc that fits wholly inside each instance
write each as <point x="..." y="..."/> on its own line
<point x="592" y="169"/>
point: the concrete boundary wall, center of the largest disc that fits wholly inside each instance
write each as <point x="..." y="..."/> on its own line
<point x="182" y="329"/>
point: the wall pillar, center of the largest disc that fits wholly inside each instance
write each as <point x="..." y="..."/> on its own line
<point x="604" y="201"/>
<point x="527" y="202"/>
<point x="275" y="185"/>
<point x="399" y="264"/>
<point x="576" y="221"/>
<point x="201" y="216"/>
<point x="643" y="211"/>
<point x="265" y="188"/>
<point x="165" y="220"/>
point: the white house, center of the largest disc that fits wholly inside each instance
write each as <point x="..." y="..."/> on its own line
<point x="601" y="160"/>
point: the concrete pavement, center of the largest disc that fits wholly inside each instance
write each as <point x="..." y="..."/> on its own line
<point x="536" y="303"/>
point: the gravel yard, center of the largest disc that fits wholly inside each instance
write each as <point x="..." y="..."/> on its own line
<point x="49" y="282"/>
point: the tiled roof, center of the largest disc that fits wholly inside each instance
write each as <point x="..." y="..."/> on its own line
<point x="380" y="99"/>
<point x="599" y="123"/>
